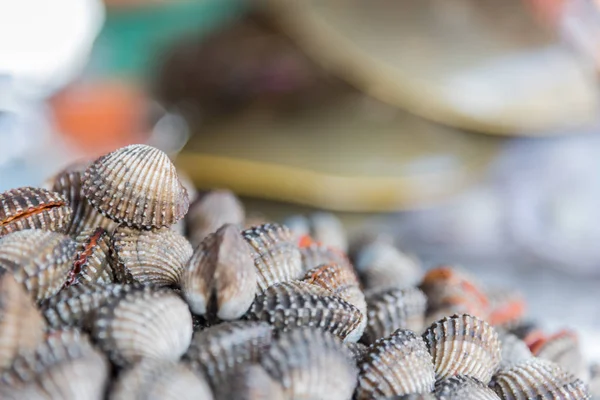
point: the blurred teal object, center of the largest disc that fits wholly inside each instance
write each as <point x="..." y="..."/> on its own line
<point x="131" y="41"/>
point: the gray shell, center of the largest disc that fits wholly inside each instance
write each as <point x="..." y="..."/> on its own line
<point x="462" y="387"/>
<point x="250" y="382"/>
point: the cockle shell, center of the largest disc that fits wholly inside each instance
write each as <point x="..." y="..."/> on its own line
<point x="66" y="366"/>
<point x="144" y="323"/>
<point x="294" y="304"/>
<point x="33" y="208"/>
<point x="563" y="348"/>
<point x="538" y="379"/>
<point x="311" y="364"/>
<point x="395" y="365"/>
<point x="92" y="262"/>
<point x="462" y="387"/>
<point x="136" y="185"/>
<point x="160" y="380"/>
<point x="275" y="254"/>
<point x="463" y="345"/>
<point x="394" y="309"/>
<point x="250" y="382"/>
<point x="151" y="257"/>
<point x="21" y="325"/>
<point x="514" y="350"/>
<point x="315" y="254"/>
<point x="324" y="227"/>
<point x="38" y="259"/>
<point x="506" y="306"/>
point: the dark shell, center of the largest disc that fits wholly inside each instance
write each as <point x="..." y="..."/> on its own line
<point x="250" y="382"/>
<point x="564" y="349"/>
<point x="311" y="364"/>
<point x="92" y="259"/>
<point x="315" y="254"/>
<point x="396" y="365"/>
<point x="136" y="185"/>
<point x="275" y="254"/>
<point x="463" y="345"/>
<point x="294" y="304"/>
<point x="394" y="309"/>
<point x="33" y="208"/>
<point x="462" y="387"/>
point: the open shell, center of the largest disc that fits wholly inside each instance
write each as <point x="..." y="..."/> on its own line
<point x="462" y="387"/>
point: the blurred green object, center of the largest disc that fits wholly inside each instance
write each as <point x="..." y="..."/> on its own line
<point x="131" y="42"/>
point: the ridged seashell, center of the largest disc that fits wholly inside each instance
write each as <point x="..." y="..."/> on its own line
<point x="416" y="396"/>
<point x="276" y="256"/>
<point x="21" y="325"/>
<point x="85" y="216"/>
<point x="507" y="306"/>
<point x="294" y="304"/>
<point x="538" y="379"/>
<point x="563" y="348"/>
<point x="514" y="350"/>
<point x="33" y="208"/>
<point x="38" y="259"/>
<point x="395" y="365"/>
<point x="220" y="275"/>
<point x="250" y="382"/>
<point x="151" y="257"/>
<point x="311" y="364"/>
<point x="136" y="185"/>
<point x="212" y="210"/>
<point x="145" y="323"/>
<point x="92" y="259"/>
<point x="217" y="351"/>
<point x="462" y="387"/>
<point x="324" y="227"/>
<point x="315" y="254"/>
<point x="394" y="309"/>
<point x="66" y="366"/>
<point x="357" y="350"/>
<point x="463" y="345"/>
<point x="160" y="380"/>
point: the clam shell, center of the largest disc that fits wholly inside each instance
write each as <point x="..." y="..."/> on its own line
<point x="66" y="366"/>
<point x="212" y="210"/>
<point x="538" y="379"/>
<point x="38" y="259"/>
<point x="507" y="306"/>
<point x="394" y="309"/>
<point x="136" y="185"/>
<point x="33" y="208"/>
<point x="463" y="345"/>
<point x="294" y="304"/>
<point x="220" y="275"/>
<point x="151" y="257"/>
<point x="21" y="325"/>
<point x="311" y="364"/>
<point x="514" y="350"/>
<point x="396" y="365"/>
<point x="251" y="382"/>
<point x="160" y="380"/>
<point x="217" y="351"/>
<point x="92" y="259"/>
<point x="323" y="227"/>
<point x="315" y="254"/>
<point x="462" y="387"/>
<point x="275" y="254"/>
<point x="563" y="348"/>
<point x="144" y="323"/>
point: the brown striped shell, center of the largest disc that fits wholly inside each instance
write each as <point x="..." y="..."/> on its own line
<point x="514" y="350"/>
<point x="250" y="382"/>
<point x="294" y="304"/>
<point x="33" y="208"/>
<point x="564" y="349"/>
<point x="311" y="364"/>
<point x="151" y="257"/>
<point x="275" y="254"/>
<point x="136" y="185"/>
<point x="144" y="323"/>
<point x="92" y="262"/>
<point x="394" y="309"/>
<point x="160" y="380"/>
<point x="395" y="365"/>
<point x="38" y="259"/>
<point x="21" y="325"/>
<point x="65" y="366"/>
<point x="538" y="379"/>
<point x="220" y="275"/>
<point x="463" y="345"/>
<point x="462" y="387"/>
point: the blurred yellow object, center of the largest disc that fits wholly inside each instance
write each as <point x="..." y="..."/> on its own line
<point x="484" y="65"/>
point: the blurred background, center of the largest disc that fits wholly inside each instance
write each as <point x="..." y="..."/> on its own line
<point x="468" y="129"/>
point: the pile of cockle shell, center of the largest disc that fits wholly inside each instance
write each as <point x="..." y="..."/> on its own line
<point x="101" y="296"/>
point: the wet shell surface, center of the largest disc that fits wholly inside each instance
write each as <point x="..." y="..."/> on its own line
<point x="394" y="309"/>
<point x="396" y="365"/>
<point x="92" y="259"/>
<point x="275" y="254"/>
<point x="538" y="379"/>
<point x="563" y="348"/>
<point x="40" y="260"/>
<point x="136" y="185"/>
<point x="290" y="305"/>
<point x="217" y="351"/>
<point x="66" y="366"/>
<point x="311" y="364"/>
<point x="462" y="387"/>
<point x="220" y="275"/>
<point x="21" y="324"/>
<point x="514" y="350"/>
<point x="33" y="208"/>
<point x="145" y="323"/>
<point x="151" y="257"/>
<point x="250" y="382"/>
<point x="463" y="345"/>
<point x="160" y="380"/>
